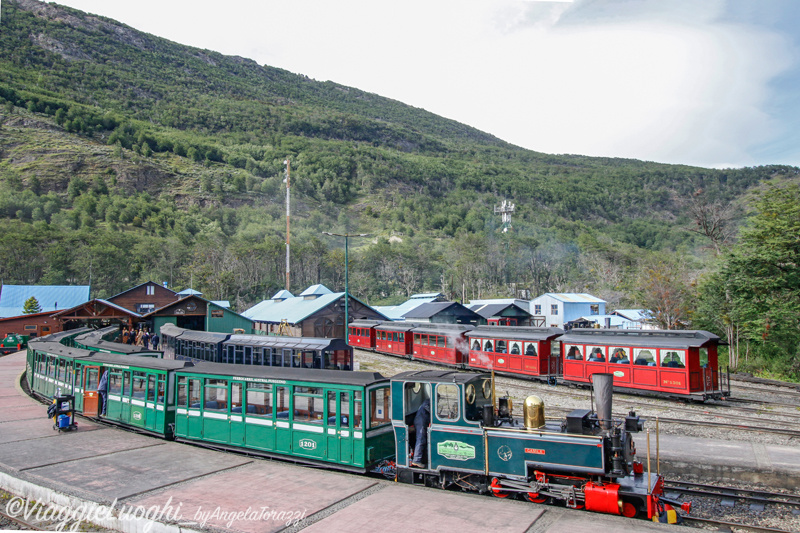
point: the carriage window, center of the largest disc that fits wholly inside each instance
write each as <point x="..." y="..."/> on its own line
<point x="345" y="408"/>
<point x="194" y="393"/>
<point x="643" y="357"/>
<point x="308" y="405"/>
<point x="394" y="336"/>
<point x="92" y="379"/>
<point x="332" y="409"/>
<point x="162" y="389"/>
<point x="673" y="358"/>
<point x="447" y="402"/>
<point x="574" y="352"/>
<point x="115" y="383"/>
<point x="62" y="369"/>
<point x="596" y="354"/>
<point x="282" y="402"/>
<point x="487" y="346"/>
<point x="126" y="383"/>
<point x="380" y="403"/>
<point x="182" y="391"/>
<point x="357" y="413"/>
<point x="139" y="385"/>
<point x="515" y="349"/>
<point x="703" y="357"/>
<point x="476" y="345"/>
<point x="501" y="347"/>
<point x="151" y="388"/>
<point x="620" y="356"/>
<point x="530" y="349"/>
<point x="216" y="395"/>
<point x="259" y="399"/>
<point x="401" y="337"/>
<point x="236" y="397"/>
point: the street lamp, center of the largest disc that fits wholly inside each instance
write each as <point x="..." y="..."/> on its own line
<point x="346" y="287"/>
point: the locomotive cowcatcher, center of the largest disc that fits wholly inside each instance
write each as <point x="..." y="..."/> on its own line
<point x="583" y="461"/>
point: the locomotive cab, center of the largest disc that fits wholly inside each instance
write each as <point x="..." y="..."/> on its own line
<point x="584" y="460"/>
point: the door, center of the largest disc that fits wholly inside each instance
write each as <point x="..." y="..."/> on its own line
<point x="333" y="426"/>
<point x="238" y="409"/>
<point x="283" y="417"/>
<point x="345" y="427"/>
<point x="90" y="396"/>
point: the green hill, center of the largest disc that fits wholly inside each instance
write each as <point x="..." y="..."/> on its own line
<point x="126" y="157"/>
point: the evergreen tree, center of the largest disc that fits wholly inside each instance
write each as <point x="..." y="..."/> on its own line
<point x="31" y="306"/>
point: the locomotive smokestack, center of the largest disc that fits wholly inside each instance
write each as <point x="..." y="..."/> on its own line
<point x="603" y="388"/>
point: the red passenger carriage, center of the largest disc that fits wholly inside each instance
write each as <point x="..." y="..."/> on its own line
<point x="515" y="350"/>
<point x="394" y="338"/>
<point x="361" y="334"/>
<point x="444" y="344"/>
<point x="669" y="362"/>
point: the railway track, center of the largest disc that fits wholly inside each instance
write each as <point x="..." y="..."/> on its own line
<point x="727" y="497"/>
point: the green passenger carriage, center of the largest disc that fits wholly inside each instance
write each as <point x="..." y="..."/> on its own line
<point x="342" y="419"/>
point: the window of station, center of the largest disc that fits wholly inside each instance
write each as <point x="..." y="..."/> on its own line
<point x="139" y="385"/>
<point x="488" y="346"/>
<point x="554" y="309"/>
<point x="248" y="355"/>
<point x="380" y="407"/>
<point x="515" y="348"/>
<point x="673" y="358"/>
<point x="594" y="309"/>
<point x="276" y="358"/>
<point x="308" y="405"/>
<point x="530" y="349"/>
<point x="537" y="309"/>
<point x="501" y="347"/>
<point x="620" y="355"/>
<point x="703" y="357"/>
<point x="216" y="395"/>
<point x="644" y="357"/>
<point x="259" y="399"/>
<point x="596" y="354"/>
<point x="447" y="402"/>
<point x="574" y="352"/>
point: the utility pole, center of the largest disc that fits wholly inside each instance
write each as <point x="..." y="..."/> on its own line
<point x="505" y="210"/>
<point x="346" y="287"/>
<point x="288" y="212"/>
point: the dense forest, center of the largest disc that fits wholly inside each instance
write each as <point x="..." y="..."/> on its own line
<point x="125" y="157"/>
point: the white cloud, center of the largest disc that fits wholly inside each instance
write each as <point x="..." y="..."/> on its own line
<point x="671" y="81"/>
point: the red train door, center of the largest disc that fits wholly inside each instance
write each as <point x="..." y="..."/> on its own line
<point x="90" y="395"/>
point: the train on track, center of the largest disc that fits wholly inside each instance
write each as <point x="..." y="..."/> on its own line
<point x="667" y="363"/>
<point x="363" y="422"/>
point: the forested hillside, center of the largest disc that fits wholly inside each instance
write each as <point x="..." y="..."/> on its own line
<point x="125" y="157"/>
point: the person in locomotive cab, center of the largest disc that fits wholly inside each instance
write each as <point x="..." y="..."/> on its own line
<point x="102" y="390"/>
<point x="421" y="423"/>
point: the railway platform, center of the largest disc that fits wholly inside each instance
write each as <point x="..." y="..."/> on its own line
<point x="152" y="485"/>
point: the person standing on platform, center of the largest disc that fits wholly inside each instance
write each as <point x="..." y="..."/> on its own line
<point x="421" y="423"/>
<point x="154" y="340"/>
<point x="102" y="390"/>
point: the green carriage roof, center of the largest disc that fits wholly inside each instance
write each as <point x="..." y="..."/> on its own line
<point x="336" y="377"/>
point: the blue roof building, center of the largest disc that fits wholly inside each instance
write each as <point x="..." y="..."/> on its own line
<point x="50" y="297"/>
<point x="316" y="312"/>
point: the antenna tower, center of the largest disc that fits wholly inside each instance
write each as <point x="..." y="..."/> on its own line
<point x="505" y="209"/>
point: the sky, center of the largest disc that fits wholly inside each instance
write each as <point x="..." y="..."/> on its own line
<point x="712" y="83"/>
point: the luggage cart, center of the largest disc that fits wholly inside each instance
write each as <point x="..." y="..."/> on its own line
<point x="62" y="412"/>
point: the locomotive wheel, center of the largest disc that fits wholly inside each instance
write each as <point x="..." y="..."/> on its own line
<point x="497" y="490"/>
<point x="629" y="510"/>
<point x="535" y="497"/>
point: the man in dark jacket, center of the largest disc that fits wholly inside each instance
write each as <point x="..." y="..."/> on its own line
<point x="154" y="341"/>
<point x="102" y="390"/>
<point x="421" y="423"/>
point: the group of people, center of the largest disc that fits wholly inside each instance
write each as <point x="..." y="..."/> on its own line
<point x="140" y="337"/>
